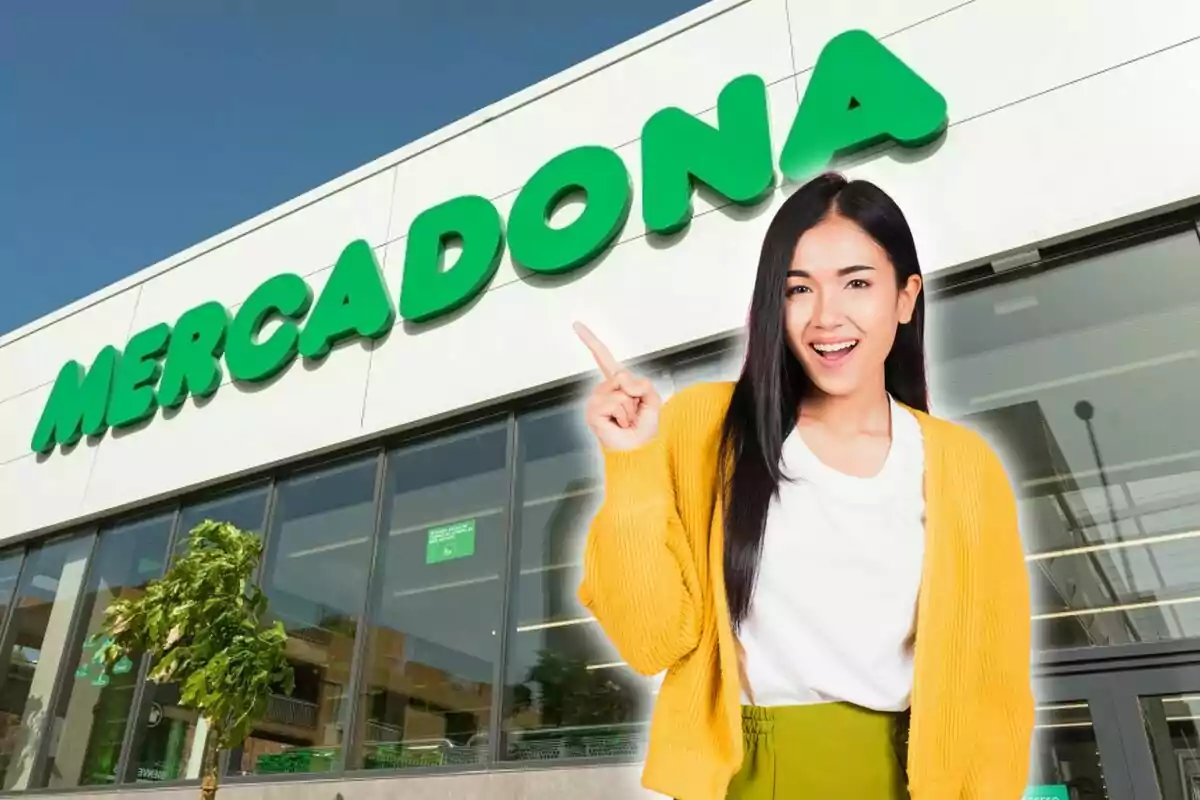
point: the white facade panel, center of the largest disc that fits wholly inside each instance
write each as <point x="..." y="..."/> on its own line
<point x="1066" y="116"/>
<point x="304" y="409"/>
<point x="38" y="492"/>
<point x="607" y="108"/>
<point x="642" y="297"/>
<point x="1055" y="165"/>
<point x="36" y="358"/>
<point x="302" y="242"/>
<point x="986" y="55"/>
<point x="781" y="106"/>
<point x="316" y="281"/>
<point x="813" y="24"/>
<point x="18" y="417"/>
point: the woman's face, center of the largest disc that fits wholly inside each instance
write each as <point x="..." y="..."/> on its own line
<point x="842" y="306"/>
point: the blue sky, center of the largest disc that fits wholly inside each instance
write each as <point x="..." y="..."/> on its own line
<point x="131" y="130"/>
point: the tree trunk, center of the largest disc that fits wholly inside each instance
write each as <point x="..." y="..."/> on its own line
<point x="210" y="765"/>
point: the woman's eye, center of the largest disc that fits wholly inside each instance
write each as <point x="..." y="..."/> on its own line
<point x="797" y="290"/>
<point x="859" y="283"/>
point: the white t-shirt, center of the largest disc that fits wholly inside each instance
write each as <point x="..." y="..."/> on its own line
<point x="833" y="611"/>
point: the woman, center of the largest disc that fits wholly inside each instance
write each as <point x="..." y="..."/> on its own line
<point x="808" y="554"/>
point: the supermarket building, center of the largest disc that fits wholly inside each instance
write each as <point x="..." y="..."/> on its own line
<point x="404" y="429"/>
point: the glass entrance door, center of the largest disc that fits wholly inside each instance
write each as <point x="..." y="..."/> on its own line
<point x="1121" y="735"/>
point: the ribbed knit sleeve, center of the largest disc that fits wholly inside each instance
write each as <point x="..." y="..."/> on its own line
<point x="1000" y="765"/>
<point x="640" y="579"/>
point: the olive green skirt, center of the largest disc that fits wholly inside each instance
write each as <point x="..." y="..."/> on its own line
<point x="828" y="751"/>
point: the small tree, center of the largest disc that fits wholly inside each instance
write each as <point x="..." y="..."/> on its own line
<point x="202" y="626"/>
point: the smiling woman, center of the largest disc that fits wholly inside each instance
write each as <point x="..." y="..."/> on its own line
<point x="737" y="512"/>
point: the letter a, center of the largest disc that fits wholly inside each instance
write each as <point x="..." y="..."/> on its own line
<point x="860" y="94"/>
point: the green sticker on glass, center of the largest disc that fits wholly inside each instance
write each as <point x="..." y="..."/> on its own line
<point x="82" y="672"/>
<point x="101" y="679"/>
<point x="123" y="666"/>
<point x="1055" y="791"/>
<point x="448" y="542"/>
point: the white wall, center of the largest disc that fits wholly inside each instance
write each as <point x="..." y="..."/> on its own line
<point x="1066" y="115"/>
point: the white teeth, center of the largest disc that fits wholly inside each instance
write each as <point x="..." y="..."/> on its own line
<point x="833" y="348"/>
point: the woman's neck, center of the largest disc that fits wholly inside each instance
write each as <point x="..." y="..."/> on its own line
<point x="850" y="415"/>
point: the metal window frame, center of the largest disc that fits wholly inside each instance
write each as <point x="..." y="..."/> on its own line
<point x="42" y="733"/>
<point x="137" y="710"/>
<point x="270" y="509"/>
<point x="510" y="573"/>
<point x="350" y="739"/>
<point x="361" y="456"/>
<point x="7" y="631"/>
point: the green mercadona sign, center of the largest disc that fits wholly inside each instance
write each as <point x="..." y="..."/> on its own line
<point x="859" y="95"/>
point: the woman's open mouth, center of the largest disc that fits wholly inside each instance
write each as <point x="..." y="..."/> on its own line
<point x="834" y="351"/>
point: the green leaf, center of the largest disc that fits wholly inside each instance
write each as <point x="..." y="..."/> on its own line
<point x="203" y="625"/>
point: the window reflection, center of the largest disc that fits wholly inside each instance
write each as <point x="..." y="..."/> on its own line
<point x="317" y="560"/>
<point x="1174" y="736"/>
<point x="1066" y="371"/>
<point x="244" y="509"/>
<point x="35" y="642"/>
<point x="1065" y="753"/>
<point x="168" y="742"/>
<point x="434" y="643"/>
<point x="568" y="693"/>
<point x="92" y="711"/>
<point x="10" y="571"/>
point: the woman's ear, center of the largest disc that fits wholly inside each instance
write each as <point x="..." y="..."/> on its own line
<point x="907" y="300"/>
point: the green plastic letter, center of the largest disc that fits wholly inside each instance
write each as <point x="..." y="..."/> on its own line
<point x="193" y="364"/>
<point x="250" y="360"/>
<point x="597" y="172"/>
<point x="860" y="95"/>
<point x="428" y="291"/>
<point x="354" y="302"/>
<point x="133" y="397"/>
<point x="78" y="402"/>
<point x="734" y="158"/>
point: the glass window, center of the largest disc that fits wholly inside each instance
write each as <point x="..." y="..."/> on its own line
<point x="1083" y="376"/>
<point x="91" y="712"/>
<point x="168" y="741"/>
<point x="433" y="644"/>
<point x="1066" y="759"/>
<point x="567" y="692"/>
<point x="1174" y="736"/>
<point x="244" y="509"/>
<point x="315" y="576"/>
<point x="10" y="571"/>
<point x="35" y="642"/>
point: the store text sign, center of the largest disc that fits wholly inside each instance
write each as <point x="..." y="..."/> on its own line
<point x="859" y="95"/>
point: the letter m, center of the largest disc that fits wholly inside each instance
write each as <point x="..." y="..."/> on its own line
<point x="78" y="402"/>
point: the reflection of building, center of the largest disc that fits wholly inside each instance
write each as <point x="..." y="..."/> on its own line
<point x="1054" y="277"/>
<point x="1038" y="463"/>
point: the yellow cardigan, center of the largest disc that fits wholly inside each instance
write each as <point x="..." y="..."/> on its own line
<point x="653" y="578"/>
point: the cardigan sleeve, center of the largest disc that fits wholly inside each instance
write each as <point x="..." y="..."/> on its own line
<point x="639" y="578"/>
<point x="1000" y="765"/>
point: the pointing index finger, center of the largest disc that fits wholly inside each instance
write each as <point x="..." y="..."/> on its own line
<point x="609" y="366"/>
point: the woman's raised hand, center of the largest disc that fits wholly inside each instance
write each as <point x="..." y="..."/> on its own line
<point x="623" y="409"/>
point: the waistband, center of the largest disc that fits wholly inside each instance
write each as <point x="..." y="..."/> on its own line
<point x="767" y="719"/>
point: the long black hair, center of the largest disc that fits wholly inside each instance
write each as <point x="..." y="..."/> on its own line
<point x="773" y="383"/>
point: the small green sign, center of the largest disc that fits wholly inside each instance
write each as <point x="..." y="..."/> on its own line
<point x="123" y="666"/>
<point x="1049" y="791"/>
<point x="448" y="542"/>
<point x="101" y="680"/>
